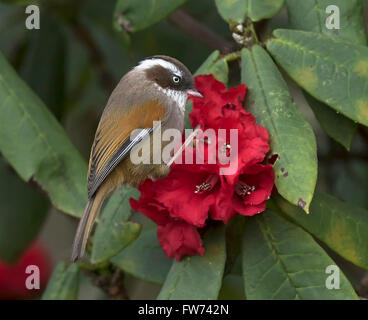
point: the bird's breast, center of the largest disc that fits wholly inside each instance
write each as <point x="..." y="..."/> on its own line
<point x="175" y="119"/>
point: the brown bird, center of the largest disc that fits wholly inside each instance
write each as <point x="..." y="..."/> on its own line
<point x="155" y="90"/>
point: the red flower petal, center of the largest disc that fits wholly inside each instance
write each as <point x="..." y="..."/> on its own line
<point x="223" y="209"/>
<point x="177" y="193"/>
<point x="178" y="238"/>
<point x="260" y="177"/>
<point x="147" y="204"/>
<point x="240" y="208"/>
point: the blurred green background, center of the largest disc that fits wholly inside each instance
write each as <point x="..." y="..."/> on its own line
<point x="74" y="61"/>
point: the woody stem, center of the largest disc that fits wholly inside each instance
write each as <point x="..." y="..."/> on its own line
<point x="190" y="25"/>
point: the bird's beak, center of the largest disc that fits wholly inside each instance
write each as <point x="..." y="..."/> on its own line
<point x="194" y="93"/>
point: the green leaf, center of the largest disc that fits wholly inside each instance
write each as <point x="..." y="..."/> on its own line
<point x="219" y="70"/>
<point x="336" y="125"/>
<point x="310" y="15"/>
<point x="198" y="278"/>
<point x="216" y="66"/>
<point x="281" y="261"/>
<point x="20" y="2"/>
<point x="234" y="234"/>
<point x="291" y="136"/>
<point x="340" y="225"/>
<point x="64" y="283"/>
<point x="332" y="71"/>
<point x="238" y="10"/>
<point x="114" y="232"/>
<point x="23" y="211"/>
<point x="132" y="15"/>
<point x="232" y="288"/>
<point x="144" y="258"/>
<point x="208" y="63"/>
<point x="43" y="64"/>
<point x="349" y="180"/>
<point x="212" y="65"/>
<point x="235" y="10"/>
<point x="36" y="146"/>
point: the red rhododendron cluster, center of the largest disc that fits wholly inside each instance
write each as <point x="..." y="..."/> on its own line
<point x="192" y="194"/>
<point x="13" y="276"/>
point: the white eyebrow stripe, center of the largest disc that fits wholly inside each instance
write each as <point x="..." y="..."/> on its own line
<point x="149" y="63"/>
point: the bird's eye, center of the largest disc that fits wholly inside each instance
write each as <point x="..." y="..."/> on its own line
<point x="176" y="79"/>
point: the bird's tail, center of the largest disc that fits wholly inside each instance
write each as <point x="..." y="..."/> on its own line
<point x="85" y="225"/>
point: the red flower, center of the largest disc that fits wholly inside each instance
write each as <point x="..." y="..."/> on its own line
<point x="176" y="237"/>
<point x="194" y="193"/>
<point x="13" y="277"/>
<point x="172" y="198"/>
<point x="254" y="187"/>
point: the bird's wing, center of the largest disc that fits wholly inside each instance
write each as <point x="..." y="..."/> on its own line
<point x="113" y="142"/>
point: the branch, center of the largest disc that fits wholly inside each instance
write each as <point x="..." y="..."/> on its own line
<point x="111" y="284"/>
<point x="199" y="31"/>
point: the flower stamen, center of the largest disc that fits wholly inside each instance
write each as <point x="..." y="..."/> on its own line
<point x="208" y="184"/>
<point x="225" y="148"/>
<point x="202" y="187"/>
<point x="243" y="189"/>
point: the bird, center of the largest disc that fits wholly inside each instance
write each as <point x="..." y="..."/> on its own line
<point x="156" y="89"/>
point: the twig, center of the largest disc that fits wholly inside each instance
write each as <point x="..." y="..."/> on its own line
<point x="199" y="31"/>
<point x="112" y="284"/>
<point x="253" y="32"/>
<point x="232" y="56"/>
